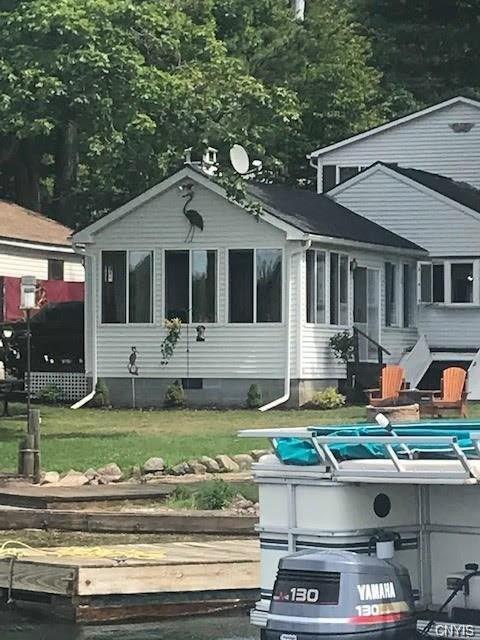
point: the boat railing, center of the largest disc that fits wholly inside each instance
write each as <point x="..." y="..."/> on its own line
<point x="453" y="466"/>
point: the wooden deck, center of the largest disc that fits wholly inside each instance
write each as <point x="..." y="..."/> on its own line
<point x="133" y="582"/>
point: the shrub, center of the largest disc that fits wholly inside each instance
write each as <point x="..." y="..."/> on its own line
<point x="51" y="394"/>
<point x="101" y="398"/>
<point x="254" y="397"/>
<point x="329" y="398"/>
<point x="175" y="395"/>
<point x="342" y="345"/>
<point x="214" y="495"/>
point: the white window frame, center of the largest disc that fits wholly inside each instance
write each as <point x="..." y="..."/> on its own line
<point x="127" y="292"/>
<point x="346" y="166"/>
<point x="327" y="283"/>
<point x="447" y="282"/>
<point x="254" y="305"/>
<point x="190" y="300"/>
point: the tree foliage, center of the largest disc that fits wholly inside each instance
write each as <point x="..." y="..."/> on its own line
<point x="427" y="50"/>
<point x="99" y="98"/>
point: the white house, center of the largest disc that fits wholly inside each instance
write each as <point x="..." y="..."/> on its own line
<point x="419" y="177"/>
<point x="32" y="244"/>
<point x="268" y="291"/>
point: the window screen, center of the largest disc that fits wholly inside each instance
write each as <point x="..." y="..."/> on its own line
<point x="269" y="285"/>
<point x="177" y="285"/>
<point x="240" y="276"/>
<point x="140" y="264"/>
<point x="55" y="269"/>
<point x="114" y="286"/>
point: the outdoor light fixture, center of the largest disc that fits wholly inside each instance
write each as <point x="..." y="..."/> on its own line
<point x="7" y="333"/>
<point x="353" y="264"/>
<point x="201" y="333"/>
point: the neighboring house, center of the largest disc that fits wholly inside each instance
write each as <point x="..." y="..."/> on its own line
<point x="32" y="244"/>
<point x="265" y="293"/>
<point x="419" y="177"/>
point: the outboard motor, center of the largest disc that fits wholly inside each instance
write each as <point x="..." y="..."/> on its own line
<point x="340" y="595"/>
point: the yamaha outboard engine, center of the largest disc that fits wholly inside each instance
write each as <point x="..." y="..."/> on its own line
<point x="340" y="595"/>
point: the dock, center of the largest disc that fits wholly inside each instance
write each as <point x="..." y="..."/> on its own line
<point x="125" y="583"/>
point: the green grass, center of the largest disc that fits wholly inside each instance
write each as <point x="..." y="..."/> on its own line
<point x="92" y="437"/>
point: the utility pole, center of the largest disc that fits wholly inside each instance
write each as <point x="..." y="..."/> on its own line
<point x="299" y="9"/>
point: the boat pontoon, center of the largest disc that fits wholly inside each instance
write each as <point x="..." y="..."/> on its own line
<point x="360" y="490"/>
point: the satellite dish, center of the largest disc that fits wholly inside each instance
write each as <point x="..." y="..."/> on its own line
<point x="239" y="159"/>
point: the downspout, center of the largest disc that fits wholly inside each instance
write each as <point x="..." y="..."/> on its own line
<point x="286" y="392"/>
<point x="93" y="281"/>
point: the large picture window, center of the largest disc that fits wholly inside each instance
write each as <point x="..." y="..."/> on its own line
<point x="191" y="285"/>
<point x="127" y="288"/>
<point x="449" y="282"/>
<point x="255" y="285"/>
<point x="319" y="287"/>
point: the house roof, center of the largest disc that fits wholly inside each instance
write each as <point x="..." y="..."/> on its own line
<point x="461" y="192"/>
<point x="320" y="215"/>
<point x="395" y="123"/>
<point x="18" y="223"/>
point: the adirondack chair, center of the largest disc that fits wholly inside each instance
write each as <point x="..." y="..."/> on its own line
<point x="452" y="395"/>
<point x="392" y="381"/>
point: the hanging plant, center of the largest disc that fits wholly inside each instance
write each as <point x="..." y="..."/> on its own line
<point x="173" y="328"/>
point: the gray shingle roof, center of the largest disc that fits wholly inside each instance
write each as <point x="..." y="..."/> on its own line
<point x="320" y="215"/>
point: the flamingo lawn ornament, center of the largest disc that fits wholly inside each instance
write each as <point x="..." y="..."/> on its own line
<point x="194" y="218"/>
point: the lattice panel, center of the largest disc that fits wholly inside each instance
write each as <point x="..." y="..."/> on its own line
<point x="73" y="385"/>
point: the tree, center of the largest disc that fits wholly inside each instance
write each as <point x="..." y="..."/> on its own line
<point x="98" y="99"/>
<point x="428" y="50"/>
<point x="324" y="60"/>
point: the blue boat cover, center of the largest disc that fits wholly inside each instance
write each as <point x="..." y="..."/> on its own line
<point x="301" y="452"/>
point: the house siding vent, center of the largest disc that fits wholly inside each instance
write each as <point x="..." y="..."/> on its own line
<point x="461" y="127"/>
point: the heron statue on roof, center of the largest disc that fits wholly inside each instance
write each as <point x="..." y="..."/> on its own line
<point x="194" y="218"/>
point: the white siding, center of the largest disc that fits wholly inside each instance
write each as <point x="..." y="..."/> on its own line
<point x="426" y="143"/>
<point x="436" y="225"/>
<point x="230" y="351"/>
<point x="19" y="261"/>
<point x="317" y="357"/>
<point x="450" y="327"/>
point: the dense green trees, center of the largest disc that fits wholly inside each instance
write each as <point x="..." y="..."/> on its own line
<point x="99" y="98"/>
<point x="427" y="50"/>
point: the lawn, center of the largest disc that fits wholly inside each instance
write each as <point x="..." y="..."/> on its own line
<point x="92" y="437"/>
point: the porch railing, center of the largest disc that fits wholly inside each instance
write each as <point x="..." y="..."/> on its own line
<point x="356" y="346"/>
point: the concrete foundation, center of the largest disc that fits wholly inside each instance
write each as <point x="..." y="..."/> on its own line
<point x="214" y="392"/>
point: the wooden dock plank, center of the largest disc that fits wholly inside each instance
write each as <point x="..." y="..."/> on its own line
<point x="128" y="522"/>
<point x="178" y="578"/>
<point x="38" y="578"/>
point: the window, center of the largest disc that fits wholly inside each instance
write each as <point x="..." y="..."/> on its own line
<point x="114" y="289"/>
<point x="190" y="285"/>
<point x="390" y="295"/>
<point x="449" y="282"/>
<point x="345" y="173"/>
<point x="140" y="266"/>
<point x="329" y="177"/>
<point x="316" y="286"/>
<point x="407" y="294"/>
<point x="55" y="269"/>
<point x="461" y="277"/>
<point x="269" y="285"/>
<point x="117" y="282"/>
<point x="255" y="285"/>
